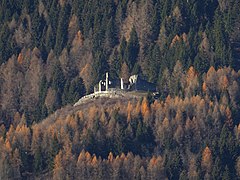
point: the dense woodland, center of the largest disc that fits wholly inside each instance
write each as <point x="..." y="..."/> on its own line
<point x="54" y="52"/>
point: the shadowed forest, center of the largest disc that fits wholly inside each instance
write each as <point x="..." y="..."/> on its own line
<point x="53" y="52"/>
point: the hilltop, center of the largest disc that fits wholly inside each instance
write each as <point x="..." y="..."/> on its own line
<point x="104" y="100"/>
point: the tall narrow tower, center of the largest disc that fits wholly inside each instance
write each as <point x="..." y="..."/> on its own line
<point x="122" y="86"/>
<point x="107" y="81"/>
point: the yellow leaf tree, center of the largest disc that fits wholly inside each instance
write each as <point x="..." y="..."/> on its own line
<point x="207" y="160"/>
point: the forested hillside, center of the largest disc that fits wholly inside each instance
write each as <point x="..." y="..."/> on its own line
<point x="52" y="52"/>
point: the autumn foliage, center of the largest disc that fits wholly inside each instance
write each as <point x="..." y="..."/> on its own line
<point x="132" y="137"/>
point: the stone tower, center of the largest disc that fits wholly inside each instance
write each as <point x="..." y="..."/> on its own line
<point x="107" y="81"/>
<point x="122" y="85"/>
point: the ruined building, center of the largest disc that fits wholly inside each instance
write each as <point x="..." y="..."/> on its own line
<point x="135" y="84"/>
